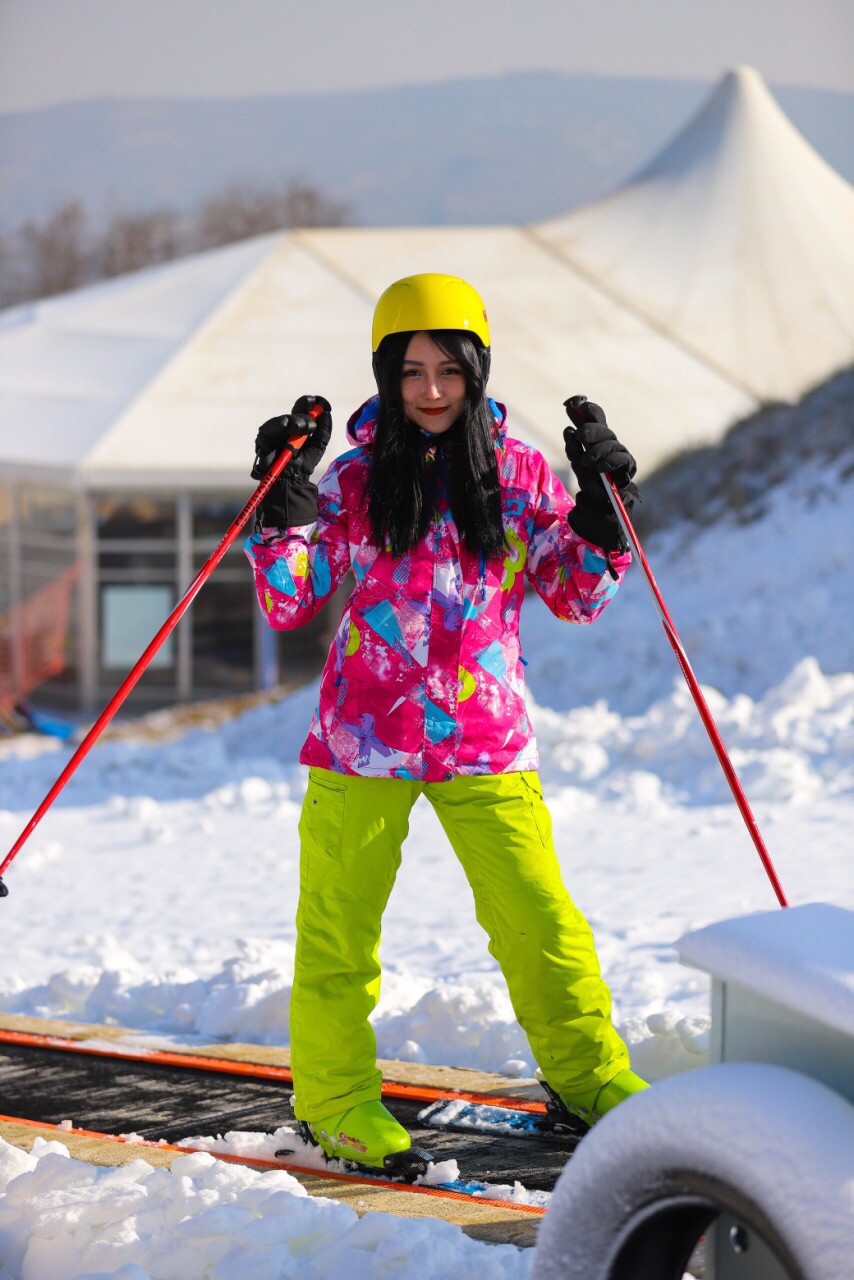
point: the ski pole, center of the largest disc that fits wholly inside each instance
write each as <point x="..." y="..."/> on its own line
<point x="292" y="447"/>
<point x="691" y="680"/>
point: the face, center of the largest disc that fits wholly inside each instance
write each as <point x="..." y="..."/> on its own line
<point x="433" y="386"/>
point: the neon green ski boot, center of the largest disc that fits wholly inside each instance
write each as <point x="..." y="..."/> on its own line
<point x="591" y="1106"/>
<point x="368" y="1136"/>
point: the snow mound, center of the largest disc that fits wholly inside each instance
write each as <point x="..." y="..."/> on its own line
<point x="61" y="1219"/>
<point x="794" y="744"/>
<point x="750" y="602"/>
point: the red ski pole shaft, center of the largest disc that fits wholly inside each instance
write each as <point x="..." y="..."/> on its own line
<point x="696" y="692"/>
<point x="166" y="630"/>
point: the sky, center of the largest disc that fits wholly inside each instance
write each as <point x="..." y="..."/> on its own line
<point x="53" y="51"/>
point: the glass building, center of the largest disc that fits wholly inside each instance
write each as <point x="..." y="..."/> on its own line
<point x="107" y="570"/>
<point x="128" y="410"/>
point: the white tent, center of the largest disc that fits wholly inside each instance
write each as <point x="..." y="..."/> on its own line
<point x="162" y="377"/>
<point x="737" y="242"/>
<point x="721" y="277"/>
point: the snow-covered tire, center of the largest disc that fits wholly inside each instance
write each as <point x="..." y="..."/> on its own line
<point x="765" y="1144"/>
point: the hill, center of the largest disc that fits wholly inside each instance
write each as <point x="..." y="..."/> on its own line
<point x="749" y="542"/>
<point x="510" y="148"/>
<point x="737" y="478"/>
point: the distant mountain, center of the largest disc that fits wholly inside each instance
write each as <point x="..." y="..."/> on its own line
<point x="512" y="148"/>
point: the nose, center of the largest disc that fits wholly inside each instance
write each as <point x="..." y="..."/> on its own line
<point x="432" y="388"/>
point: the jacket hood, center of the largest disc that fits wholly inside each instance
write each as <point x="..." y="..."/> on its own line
<point x="363" y="423"/>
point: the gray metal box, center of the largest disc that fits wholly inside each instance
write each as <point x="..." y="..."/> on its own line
<point x="782" y="993"/>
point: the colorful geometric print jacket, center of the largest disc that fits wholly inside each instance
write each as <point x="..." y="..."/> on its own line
<point x="424" y="679"/>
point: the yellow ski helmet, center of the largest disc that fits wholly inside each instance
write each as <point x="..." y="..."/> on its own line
<point x="430" y="301"/>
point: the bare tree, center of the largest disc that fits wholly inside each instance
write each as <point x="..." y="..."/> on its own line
<point x="62" y="252"/>
<point x="54" y="252"/>
<point x="233" y="214"/>
<point x="240" y="212"/>
<point x="305" y="206"/>
<point x="132" y="241"/>
<point x="9" y="283"/>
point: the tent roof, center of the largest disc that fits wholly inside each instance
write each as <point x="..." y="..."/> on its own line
<point x="160" y="378"/>
<point x="70" y="366"/>
<point x="737" y="240"/>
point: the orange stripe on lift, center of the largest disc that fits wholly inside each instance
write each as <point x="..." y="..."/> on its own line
<point x="306" y="1170"/>
<point x="261" y="1071"/>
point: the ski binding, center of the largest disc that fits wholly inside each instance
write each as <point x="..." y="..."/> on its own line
<point x="462" y="1116"/>
<point x="400" y="1166"/>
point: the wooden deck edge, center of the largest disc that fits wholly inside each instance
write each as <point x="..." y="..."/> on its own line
<point x="460" y="1079"/>
<point x="488" y="1222"/>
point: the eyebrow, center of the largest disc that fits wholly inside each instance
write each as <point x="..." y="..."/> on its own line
<point x="450" y="360"/>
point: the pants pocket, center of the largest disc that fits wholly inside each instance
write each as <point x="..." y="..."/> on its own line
<point x="321" y="824"/>
<point x="542" y="820"/>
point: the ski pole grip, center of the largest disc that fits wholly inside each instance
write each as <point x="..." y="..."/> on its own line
<point x="574" y="410"/>
<point x="262" y="464"/>
<point x="578" y="415"/>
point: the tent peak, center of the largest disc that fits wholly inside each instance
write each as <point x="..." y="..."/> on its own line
<point x="739" y="113"/>
<point x="743" y="75"/>
<point x="735" y="240"/>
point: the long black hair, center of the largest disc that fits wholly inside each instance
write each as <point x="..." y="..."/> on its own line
<point x="402" y="490"/>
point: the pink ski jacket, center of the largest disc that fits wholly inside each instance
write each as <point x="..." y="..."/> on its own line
<point x="424" y="679"/>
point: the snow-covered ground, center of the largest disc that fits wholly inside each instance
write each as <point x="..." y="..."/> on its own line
<point x="61" y="1219"/>
<point x="159" y="893"/>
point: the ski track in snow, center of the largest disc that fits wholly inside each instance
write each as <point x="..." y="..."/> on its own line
<point x="160" y="891"/>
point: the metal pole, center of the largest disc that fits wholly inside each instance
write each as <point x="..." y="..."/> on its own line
<point x="87" y="602"/>
<point x="184" y="566"/>
<point x="16" y="593"/>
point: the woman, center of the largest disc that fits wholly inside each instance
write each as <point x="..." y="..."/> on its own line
<point x="442" y="518"/>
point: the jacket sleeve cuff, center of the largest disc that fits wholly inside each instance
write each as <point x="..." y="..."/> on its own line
<point x="596" y="524"/>
<point x="290" y="504"/>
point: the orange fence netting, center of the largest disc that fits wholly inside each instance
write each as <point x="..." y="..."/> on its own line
<point x="33" y="636"/>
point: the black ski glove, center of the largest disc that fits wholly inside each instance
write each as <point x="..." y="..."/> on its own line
<point x="292" y="499"/>
<point x="592" y="449"/>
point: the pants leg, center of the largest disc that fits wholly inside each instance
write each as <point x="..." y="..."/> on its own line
<point x="351" y="831"/>
<point x="501" y="832"/>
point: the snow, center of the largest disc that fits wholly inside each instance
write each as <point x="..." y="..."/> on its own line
<point x="263" y="1146"/>
<point x="803" y="959"/>
<point x="159" y="892"/>
<point x="757" y="605"/>
<point x="61" y="1219"/>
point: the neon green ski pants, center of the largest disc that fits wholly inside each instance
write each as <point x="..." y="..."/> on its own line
<point x="351" y="830"/>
